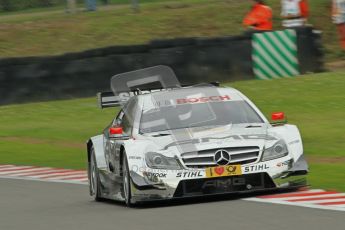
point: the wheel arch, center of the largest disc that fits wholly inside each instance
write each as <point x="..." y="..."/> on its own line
<point x="97" y="144"/>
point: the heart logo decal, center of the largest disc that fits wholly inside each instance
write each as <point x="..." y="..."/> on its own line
<point x="219" y="170"/>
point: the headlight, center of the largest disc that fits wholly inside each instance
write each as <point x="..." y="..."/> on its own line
<point x="278" y="150"/>
<point x="159" y="161"/>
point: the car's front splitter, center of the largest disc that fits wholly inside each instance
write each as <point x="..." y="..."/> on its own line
<point x="279" y="174"/>
<point x="216" y="186"/>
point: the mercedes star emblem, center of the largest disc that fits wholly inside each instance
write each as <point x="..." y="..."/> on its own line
<point x="222" y="157"/>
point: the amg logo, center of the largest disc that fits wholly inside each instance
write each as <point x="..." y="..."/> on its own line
<point x="223" y="183"/>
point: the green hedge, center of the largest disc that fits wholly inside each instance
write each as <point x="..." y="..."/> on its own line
<point x="17" y="5"/>
<point x="14" y="5"/>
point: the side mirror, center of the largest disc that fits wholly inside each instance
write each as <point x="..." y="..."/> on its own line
<point x="117" y="132"/>
<point x="278" y="118"/>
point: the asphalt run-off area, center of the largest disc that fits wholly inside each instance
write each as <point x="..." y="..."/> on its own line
<point x="48" y="198"/>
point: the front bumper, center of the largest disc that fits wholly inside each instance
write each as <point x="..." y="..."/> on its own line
<point x="168" y="184"/>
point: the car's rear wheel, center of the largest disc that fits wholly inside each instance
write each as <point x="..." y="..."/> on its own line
<point x="94" y="182"/>
<point x="126" y="181"/>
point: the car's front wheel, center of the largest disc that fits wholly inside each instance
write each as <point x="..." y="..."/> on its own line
<point x="94" y="183"/>
<point x="126" y="183"/>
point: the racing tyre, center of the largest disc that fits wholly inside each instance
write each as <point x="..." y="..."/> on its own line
<point x="126" y="181"/>
<point x="95" y="189"/>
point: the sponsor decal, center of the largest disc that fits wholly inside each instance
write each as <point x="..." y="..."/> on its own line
<point x="155" y="175"/>
<point x="202" y="99"/>
<point x="189" y="174"/>
<point x="223" y="183"/>
<point x="220" y="171"/>
<point x="134" y="157"/>
<point x="285" y="163"/>
<point x="255" y="168"/>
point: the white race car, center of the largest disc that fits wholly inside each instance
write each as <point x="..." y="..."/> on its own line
<point x="169" y="141"/>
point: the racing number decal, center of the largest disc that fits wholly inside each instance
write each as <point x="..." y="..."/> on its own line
<point x="220" y="171"/>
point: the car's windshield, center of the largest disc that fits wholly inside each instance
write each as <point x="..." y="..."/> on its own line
<point x="197" y="115"/>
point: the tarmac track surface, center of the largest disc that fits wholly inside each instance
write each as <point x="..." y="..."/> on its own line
<point x="46" y="205"/>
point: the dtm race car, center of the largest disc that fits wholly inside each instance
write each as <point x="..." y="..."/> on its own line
<point x="172" y="141"/>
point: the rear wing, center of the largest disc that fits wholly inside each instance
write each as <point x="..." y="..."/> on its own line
<point x="143" y="81"/>
<point x="126" y="85"/>
<point x="108" y="99"/>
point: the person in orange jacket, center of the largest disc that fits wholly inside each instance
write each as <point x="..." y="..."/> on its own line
<point x="260" y="17"/>
<point x="294" y="12"/>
